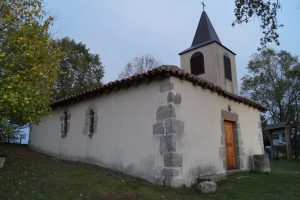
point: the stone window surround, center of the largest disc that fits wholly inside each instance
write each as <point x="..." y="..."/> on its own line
<point x="91" y="121"/>
<point x="65" y="122"/>
<point x="87" y="128"/>
<point x="239" y="144"/>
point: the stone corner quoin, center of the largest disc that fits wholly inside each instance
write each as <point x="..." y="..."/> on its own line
<point x="167" y="128"/>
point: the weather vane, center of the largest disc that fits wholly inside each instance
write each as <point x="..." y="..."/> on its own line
<point x="203" y="5"/>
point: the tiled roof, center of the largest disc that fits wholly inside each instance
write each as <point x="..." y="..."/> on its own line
<point x="155" y="74"/>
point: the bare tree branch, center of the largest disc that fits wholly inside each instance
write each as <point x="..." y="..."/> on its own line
<point x="139" y="65"/>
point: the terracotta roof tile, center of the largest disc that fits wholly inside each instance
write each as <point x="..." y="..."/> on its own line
<point x="157" y="73"/>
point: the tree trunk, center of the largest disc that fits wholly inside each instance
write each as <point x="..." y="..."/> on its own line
<point x="295" y="146"/>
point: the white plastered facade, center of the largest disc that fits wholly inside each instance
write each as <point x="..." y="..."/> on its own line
<point x="143" y="132"/>
<point x="202" y="143"/>
<point x="123" y="140"/>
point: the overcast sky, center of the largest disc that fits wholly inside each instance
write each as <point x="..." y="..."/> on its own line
<point x="119" y="30"/>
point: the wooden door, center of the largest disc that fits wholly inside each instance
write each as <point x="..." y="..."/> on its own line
<point x="230" y="145"/>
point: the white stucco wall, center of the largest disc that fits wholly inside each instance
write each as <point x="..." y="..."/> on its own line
<point x="124" y="140"/>
<point x="214" y="66"/>
<point x="127" y="141"/>
<point x="200" y="110"/>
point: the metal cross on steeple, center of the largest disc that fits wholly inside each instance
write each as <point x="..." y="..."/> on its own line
<point x="203" y="5"/>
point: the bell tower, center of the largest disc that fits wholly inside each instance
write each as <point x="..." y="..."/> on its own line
<point x="209" y="59"/>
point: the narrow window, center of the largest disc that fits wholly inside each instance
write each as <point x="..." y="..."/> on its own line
<point x="65" y="123"/>
<point x="91" y="117"/>
<point x="92" y="122"/>
<point x="227" y="67"/>
<point x="197" y="64"/>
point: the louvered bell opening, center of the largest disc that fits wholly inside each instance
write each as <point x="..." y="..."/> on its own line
<point x="197" y="64"/>
<point x="227" y="68"/>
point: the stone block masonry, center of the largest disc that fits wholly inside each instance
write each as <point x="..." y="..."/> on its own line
<point x="168" y="128"/>
<point x="158" y="128"/>
<point x="174" y="126"/>
<point x="167" y="86"/>
<point x="167" y="143"/>
<point x="174" y="98"/>
<point x="165" y="112"/>
<point x="261" y="163"/>
<point x="172" y="159"/>
<point x="207" y="187"/>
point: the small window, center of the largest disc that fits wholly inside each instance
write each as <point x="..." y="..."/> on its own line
<point x="92" y="122"/>
<point x="197" y="63"/>
<point x="65" y="123"/>
<point x="275" y="136"/>
<point x="227" y="67"/>
<point x="91" y="117"/>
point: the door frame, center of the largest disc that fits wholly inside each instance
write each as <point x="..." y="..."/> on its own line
<point x="231" y="117"/>
<point x="233" y="140"/>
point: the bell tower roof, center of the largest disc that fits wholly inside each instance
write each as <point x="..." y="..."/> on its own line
<point x="209" y="59"/>
<point x="205" y="34"/>
<point x="205" y="31"/>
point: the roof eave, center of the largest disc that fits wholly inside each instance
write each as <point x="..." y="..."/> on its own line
<point x="202" y="45"/>
<point x="157" y="73"/>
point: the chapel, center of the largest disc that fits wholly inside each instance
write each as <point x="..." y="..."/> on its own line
<point x="170" y="125"/>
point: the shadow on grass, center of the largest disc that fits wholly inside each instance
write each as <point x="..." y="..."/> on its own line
<point x="30" y="175"/>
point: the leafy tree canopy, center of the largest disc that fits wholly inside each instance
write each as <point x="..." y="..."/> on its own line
<point x="266" y="12"/>
<point x="79" y="70"/>
<point x="274" y="80"/>
<point x="28" y="60"/>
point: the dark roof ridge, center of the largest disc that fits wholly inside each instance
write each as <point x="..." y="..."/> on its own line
<point x="156" y="73"/>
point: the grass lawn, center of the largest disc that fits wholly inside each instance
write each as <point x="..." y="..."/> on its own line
<point x="30" y="175"/>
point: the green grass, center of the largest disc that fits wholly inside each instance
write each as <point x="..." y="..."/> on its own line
<point x="30" y="175"/>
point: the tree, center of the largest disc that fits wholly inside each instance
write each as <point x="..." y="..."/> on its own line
<point x="139" y="65"/>
<point x="274" y="81"/>
<point x="266" y="11"/>
<point x="28" y="60"/>
<point x="79" y="70"/>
